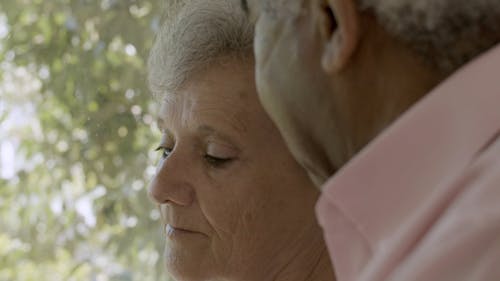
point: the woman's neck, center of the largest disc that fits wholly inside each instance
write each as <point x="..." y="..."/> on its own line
<point x="323" y="269"/>
<point x="311" y="264"/>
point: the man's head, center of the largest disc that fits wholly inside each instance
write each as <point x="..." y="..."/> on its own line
<point x="333" y="73"/>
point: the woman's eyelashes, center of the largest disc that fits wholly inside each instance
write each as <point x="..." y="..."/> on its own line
<point x="216" y="161"/>
<point x="212" y="160"/>
<point x="165" y="151"/>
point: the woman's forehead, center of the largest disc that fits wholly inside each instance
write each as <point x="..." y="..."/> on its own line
<point x="203" y="115"/>
<point x="222" y="97"/>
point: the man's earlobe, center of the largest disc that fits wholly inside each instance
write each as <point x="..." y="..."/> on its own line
<point x="340" y="29"/>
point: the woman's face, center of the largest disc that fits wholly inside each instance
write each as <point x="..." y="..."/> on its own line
<point x="235" y="203"/>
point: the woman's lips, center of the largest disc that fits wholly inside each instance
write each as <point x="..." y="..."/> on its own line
<point x="171" y="230"/>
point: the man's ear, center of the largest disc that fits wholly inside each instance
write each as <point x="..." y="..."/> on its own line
<point x="340" y="31"/>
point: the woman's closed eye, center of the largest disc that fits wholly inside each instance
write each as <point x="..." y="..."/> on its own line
<point x="213" y="160"/>
<point x="216" y="161"/>
<point x="218" y="154"/>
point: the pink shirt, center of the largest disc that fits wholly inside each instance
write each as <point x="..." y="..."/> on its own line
<point x="422" y="201"/>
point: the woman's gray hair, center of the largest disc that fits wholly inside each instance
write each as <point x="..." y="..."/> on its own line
<point x="195" y="35"/>
<point x="447" y="33"/>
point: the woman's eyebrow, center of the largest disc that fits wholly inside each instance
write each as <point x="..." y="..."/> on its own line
<point x="244" y="6"/>
<point x="159" y="123"/>
<point x="207" y="130"/>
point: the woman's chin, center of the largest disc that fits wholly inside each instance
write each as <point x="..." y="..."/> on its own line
<point x="184" y="263"/>
<point x="182" y="271"/>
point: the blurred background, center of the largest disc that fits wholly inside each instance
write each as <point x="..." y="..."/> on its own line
<point x="77" y="133"/>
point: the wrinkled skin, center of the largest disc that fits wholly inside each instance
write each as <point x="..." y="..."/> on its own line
<point x="331" y="78"/>
<point x="238" y="206"/>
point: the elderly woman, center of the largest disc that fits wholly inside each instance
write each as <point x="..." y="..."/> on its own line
<point x="235" y="204"/>
<point x="395" y="106"/>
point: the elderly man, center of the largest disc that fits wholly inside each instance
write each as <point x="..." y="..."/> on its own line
<point x="399" y="100"/>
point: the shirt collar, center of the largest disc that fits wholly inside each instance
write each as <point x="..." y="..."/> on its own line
<point x="398" y="171"/>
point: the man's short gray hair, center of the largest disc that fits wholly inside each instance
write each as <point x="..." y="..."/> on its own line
<point x="195" y="35"/>
<point x="447" y="33"/>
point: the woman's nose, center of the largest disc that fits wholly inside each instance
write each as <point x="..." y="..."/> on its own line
<point x="171" y="183"/>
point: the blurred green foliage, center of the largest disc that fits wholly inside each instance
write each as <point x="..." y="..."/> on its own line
<point x="76" y="207"/>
